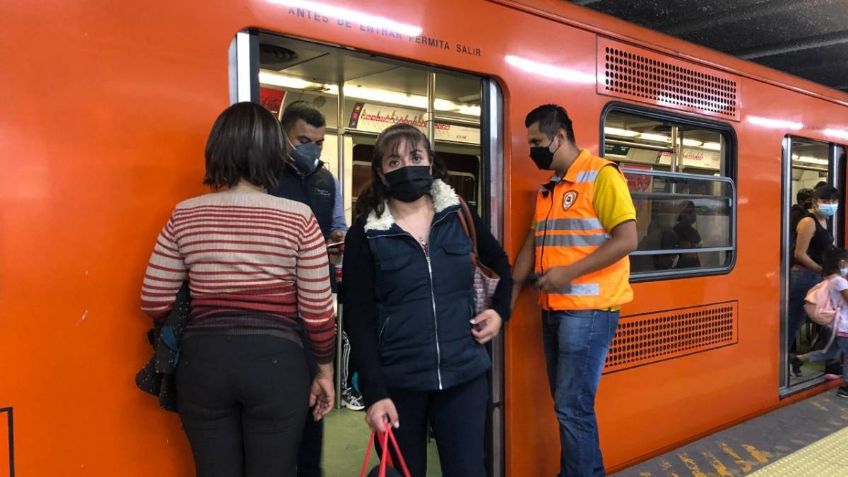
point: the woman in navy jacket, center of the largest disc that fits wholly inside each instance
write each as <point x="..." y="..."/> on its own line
<point x="409" y="311"/>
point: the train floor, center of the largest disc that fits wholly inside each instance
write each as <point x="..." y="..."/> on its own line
<point x="805" y="439"/>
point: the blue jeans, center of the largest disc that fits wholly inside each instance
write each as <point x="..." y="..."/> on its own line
<point x="800" y="282"/>
<point x="839" y="344"/>
<point x="576" y="346"/>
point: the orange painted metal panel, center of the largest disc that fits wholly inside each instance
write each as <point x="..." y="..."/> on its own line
<point x="103" y="132"/>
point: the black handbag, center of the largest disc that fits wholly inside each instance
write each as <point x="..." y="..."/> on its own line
<point x="157" y="377"/>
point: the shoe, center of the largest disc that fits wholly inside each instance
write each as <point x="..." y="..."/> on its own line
<point x="842" y="392"/>
<point x="796" y="366"/>
<point x="352" y="401"/>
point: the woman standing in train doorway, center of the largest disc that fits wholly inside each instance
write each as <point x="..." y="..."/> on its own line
<point x="257" y="269"/>
<point x="811" y="241"/>
<point x="408" y="303"/>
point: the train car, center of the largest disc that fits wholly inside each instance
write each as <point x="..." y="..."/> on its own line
<point x="107" y="106"/>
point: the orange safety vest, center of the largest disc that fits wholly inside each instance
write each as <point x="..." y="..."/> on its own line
<point x="568" y="229"/>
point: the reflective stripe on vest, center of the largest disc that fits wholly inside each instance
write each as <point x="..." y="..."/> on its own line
<point x="571" y="224"/>
<point x="571" y="240"/>
<point x="567" y="230"/>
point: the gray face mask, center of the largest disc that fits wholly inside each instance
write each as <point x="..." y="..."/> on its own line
<point x="304" y="157"/>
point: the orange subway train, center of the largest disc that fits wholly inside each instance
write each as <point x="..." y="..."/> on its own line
<point x="106" y="110"/>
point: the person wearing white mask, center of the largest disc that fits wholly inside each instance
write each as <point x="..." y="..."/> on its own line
<point x="811" y="240"/>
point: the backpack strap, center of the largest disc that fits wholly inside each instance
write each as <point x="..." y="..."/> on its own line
<point x="836" y="319"/>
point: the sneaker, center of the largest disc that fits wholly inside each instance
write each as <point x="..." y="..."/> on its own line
<point x="352" y="401"/>
<point x="842" y="391"/>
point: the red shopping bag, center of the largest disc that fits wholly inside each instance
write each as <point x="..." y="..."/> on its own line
<point x="386" y="467"/>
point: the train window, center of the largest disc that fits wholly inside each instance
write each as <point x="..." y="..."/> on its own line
<point x="678" y="173"/>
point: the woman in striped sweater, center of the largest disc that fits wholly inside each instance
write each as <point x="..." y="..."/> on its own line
<point x="257" y="269"/>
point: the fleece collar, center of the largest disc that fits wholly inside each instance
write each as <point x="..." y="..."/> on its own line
<point x="443" y="197"/>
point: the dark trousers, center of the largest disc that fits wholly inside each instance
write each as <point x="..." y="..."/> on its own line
<point x="800" y="282"/>
<point x="458" y="418"/>
<point x="312" y="439"/>
<point x="243" y="402"/>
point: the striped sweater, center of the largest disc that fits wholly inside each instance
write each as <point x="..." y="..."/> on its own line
<point x="255" y="264"/>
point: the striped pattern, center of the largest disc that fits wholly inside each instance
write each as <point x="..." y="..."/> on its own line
<point x="253" y="261"/>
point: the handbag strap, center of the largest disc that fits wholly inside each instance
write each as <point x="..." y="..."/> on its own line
<point x="401" y="460"/>
<point x="387" y="456"/>
<point x="385" y="438"/>
<point x="367" y="455"/>
<point x="467" y="222"/>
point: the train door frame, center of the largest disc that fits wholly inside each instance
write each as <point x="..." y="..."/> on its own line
<point x="244" y="86"/>
<point x="836" y="177"/>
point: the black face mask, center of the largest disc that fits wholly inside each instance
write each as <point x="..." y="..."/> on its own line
<point x="408" y="184"/>
<point x="542" y="155"/>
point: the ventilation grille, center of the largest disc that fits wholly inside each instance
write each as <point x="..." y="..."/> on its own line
<point x="643" y="339"/>
<point x="641" y="75"/>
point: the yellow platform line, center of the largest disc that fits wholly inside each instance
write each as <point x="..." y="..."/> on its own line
<point x="827" y="457"/>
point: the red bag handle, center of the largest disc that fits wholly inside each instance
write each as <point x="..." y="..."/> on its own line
<point x="385" y="437"/>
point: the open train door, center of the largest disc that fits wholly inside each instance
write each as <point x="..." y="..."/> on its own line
<point x="359" y="95"/>
<point x="806" y="164"/>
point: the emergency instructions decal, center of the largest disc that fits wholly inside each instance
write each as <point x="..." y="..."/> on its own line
<point x="342" y="21"/>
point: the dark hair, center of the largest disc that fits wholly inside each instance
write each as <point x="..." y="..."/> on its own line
<point x="374" y="197"/>
<point x="687" y="212"/>
<point x="827" y="192"/>
<point x="301" y="110"/>
<point x="551" y="118"/>
<point x="245" y="143"/>
<point x="831" y="259"/>
<point x="820" y="184"/>
<point x="804" y="197"/>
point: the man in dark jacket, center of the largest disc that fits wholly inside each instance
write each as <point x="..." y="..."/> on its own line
<point x="306" y="180"/>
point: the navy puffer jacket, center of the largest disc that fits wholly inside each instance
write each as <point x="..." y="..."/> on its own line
<point x="422" y="302"/>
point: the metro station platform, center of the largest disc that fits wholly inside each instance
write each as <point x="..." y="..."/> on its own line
<point x="808" y="438"/>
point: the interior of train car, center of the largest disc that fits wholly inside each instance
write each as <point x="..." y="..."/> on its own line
<point x="360" y="96"/>
<point x="807" y="163"/>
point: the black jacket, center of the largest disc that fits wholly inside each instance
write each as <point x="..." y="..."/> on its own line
<point x="408" y="313"/>
<point x="157" y="377"/>
<point x="317" y="190"/>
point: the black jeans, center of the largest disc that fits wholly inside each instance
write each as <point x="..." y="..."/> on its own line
<point x="458" y="417"/>
<point x="243" y="402"/>
<point x="312" y="439"/>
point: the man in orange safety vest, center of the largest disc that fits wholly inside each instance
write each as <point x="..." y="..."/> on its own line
<point x="584" y="227"/>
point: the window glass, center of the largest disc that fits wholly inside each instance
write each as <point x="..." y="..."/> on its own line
<point x="685" y="202"/>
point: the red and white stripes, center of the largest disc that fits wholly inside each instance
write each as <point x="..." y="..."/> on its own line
<point x="244" y="252"/>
